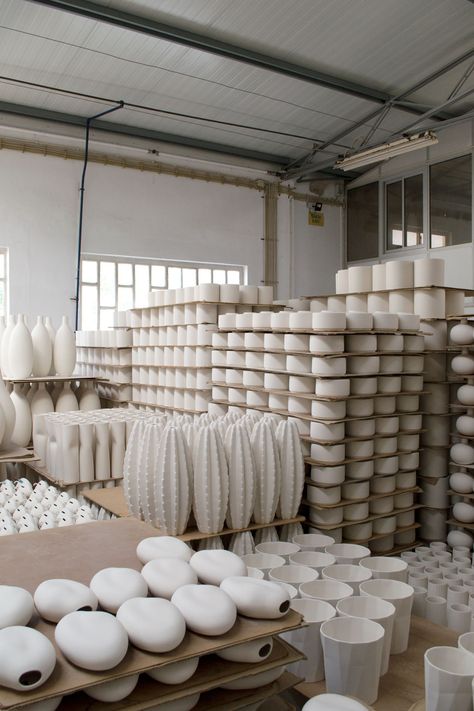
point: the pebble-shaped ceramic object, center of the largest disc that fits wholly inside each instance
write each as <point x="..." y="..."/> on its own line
<point x="463" y="512"/>
<point x="165" y="575"/>
<point x="27" y="658"/>
<point x="333" y="702"/>
<point x="462" y="334"/>
<point x="176" y="673"/>
<point x="459" y="538"/>
<point x="213" y="566"/>
<point x="163" y="547"/>
<point x="466" y="394"/>
<point x="461" y="482"/>
<point x="16" y="606"/>
<point x="113" y="586"/>
<point x="113" y="691"/>
<point x="257" y="598"/>
<point x="250" y="652"/>
<point x="152" y="624"/>
<point x="463" y="364"/>
<point x="465" y="425"/>
<point x="462" y="453"/>
<point x="58" y="597"/>
<point x="208" y="610"/>
<point x="92" y="640"/>
<point x="255" y="681"/>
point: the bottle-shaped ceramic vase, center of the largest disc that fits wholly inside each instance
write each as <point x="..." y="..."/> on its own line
<point x="52" y="335"/>
<point x="88" y="398"/>
<point x="242" y="479"/>
<point x="5" y="344"/>
<point x="20" y="350"/>
<point x="21" y="435"/>
<point x="266" y="535"/>
<point x="42" y="349"/>
<point x="66" y="401"/>
<point x="64" y="352"/>
<point x="30" y="392"/>
<point x="268" y="468"/>
<point x="173" y="483"/>
<point x="211" y="481"/>
<point x="102" y="450"/>
<point x="292" y="463"/>
<point x="8" y="411"/>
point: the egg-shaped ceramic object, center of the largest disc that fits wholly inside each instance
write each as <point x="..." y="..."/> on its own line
<point x="113" y="586"/>
<point x="176" y="673"/>
<point x="462" y="334"/>
<point x="92" y="640"/>
<point x="163" y="547"/>
<point x="165" y="575"/>
<point x="152" y="624"/>
<point x="466" y="394"/>
<point x="462" y="453"/>
<point x="58" y="597"/>
<point x="333" y="702"/>
<point x="463" y="512"/>
<point x="249" y="652"/>
<point x="262" y="599"/>
<point x="463" y="364"/>
<point x="113" y="691"/>
<point x="207" y="610"/>
<point x="213" y="566"/>
<point x="465" y="425"/>
<point x="27" y="658"/>
<point x="461" y="482"/>
<point x="16" y="606"/>
<point x="459" y="538"/>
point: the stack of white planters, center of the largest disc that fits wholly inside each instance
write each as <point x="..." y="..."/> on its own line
<point x="26" y="507"/>
<point x="171" y="357"/>
<point x="107" y="355"/>
<point x="351" y="384"/>
<point x="461" y="480"/>
<point x="225" y="472"/>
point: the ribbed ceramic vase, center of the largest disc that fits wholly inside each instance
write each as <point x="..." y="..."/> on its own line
<point x="242" y="543"/>
<point x="292" y="464"/>
<point x="21" y="434"/>
<point x="20" y="350"/>
<point x="3" y="326"/>
<point x="131" y="487"/>
<point x="242" y="477"/>
<point x="173" y="478"/>
<point x="150" y="442"/>
<point x="211" y="481"/>
<point x="5" y="344"/>
<point x="42" y="349"/>
<point x="64" y="352"/>
<point x="268" y="468"/>
<point x="9" y="415"/>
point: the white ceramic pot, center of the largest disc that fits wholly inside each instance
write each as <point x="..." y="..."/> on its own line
<point x="312" y="559"/>
<point x="328" y="590"/>
<point x="165" y="575"/>
<point x="313" y="541"/>
<point x="352" y="575"/>
<point x="263" y="561"/>
<point x="213" y="566"/>
<point x="206" y="609"/>
<point x="363" y="386"/>
<point x="56" y="598"/>
<point x="64" y="351"/>
<point x="92" y="640"/>
<point x="16" y="606"/>
<point x="458" y="617"/>
<point x="401" y="596"/>
<point x="308" y="640"/>
<point x="293" y="574"/>
<point x="152" y="624"/>
<point x="448" y="679"/>
<point x="347" y="553"/>
<point x="386" y="568"/>
<point x="280" y="548"/>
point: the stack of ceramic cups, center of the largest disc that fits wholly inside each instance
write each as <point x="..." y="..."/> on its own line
<point x="107" y="354"/>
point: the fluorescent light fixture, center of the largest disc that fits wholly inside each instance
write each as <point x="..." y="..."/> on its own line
<point x="388" y="150"/>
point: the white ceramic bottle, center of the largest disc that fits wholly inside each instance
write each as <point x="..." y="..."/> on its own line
<point x="66" y="401"/>
<point x="21" y="434"/>
<point x="42" y="349"/>
<point x="64" y="349"/>
<point x="257" y="598"/>
<point x="5" y="344"/>
<point x="20" y="350"/>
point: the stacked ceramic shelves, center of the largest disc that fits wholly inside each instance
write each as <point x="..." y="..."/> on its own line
<point x="352" y="383"/>
<point x="107" y="356"/>
<point x="171" y="356"/>
<point x="461" y="480"/>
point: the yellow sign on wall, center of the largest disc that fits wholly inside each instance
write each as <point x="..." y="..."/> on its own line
<point x="315" y="218"/>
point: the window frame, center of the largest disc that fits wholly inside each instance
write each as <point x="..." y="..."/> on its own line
<point x="463" y="154"/>
<point x="424" y="172"/>
<point x="6" y="283"/>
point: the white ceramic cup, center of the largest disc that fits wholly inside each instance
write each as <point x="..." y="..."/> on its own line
<point x="350" y="553"/>
<point x="353" y="648"/>
<point x="352" y="575"/>
<point x="281" y="548"/>
<point x="328" y="590"/>
<point x="263" y="561"/>
<point x="385" y="568"/>
<point x="293" y="574"/>
<point x="448" y="679"/>
<point x="435" y="609"/>
<point x="313" y="541"/>
<point x="401" y="596"/>
<point x="458" y="617"/>
<point x="312" y="559"/>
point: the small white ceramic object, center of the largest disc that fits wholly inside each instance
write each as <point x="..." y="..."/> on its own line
<point x="257" y="598"/>
<point x="28" y="658"/>
<point x="213" y="566"/>
<point x="207" y="610"/>
<point x="163" y="547"/>
<point x="448" y="679"/>
<point x="58" y="597"/>
<point x="249" y="652"/>
<point x="175" y="673"/>
<point x="352" y="575"/>
<point x="462" y="334"/>
<point x="334" y="702"/>
<point x="92" y="640"/>
<point x="152" y="624"/>
<point x="348" y="553"/>
<point x="387" y="568"/>
<point x="313" y="541"/>
<point x="329" y="590"/>
<point x="165" y="575"/>
<point x="401" y="596"/>
<point x="114" y="690"/>
<point x="16" y="606"/>
<point x="307" y="638"/>
<point x="113" y="586"/>
<point x="293" y="574"/>
<point x="462" y="453"/>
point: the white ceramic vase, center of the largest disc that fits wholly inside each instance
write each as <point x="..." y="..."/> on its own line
<point x="242" y="476"/>
<point x="56" y="598"/>
<point x="211" y="481"/>
<point x="113" y="691"/>
<point x="64" y="351"/>
<point x="448" y="679"/>
<point x="292" y="464"/>
<point x="20" y="350"/>
<point x="401" y="597"/>
<point x="89" y="400"/>
<point x="67" y="401"/>
<point x="152" y="624"/>
<point x="173" y="482"/>
<point x="92" y="640"/>
<point x="307" y="638"/>
<point x="16" y="606"/>
<point x="21" y="435"/>
<point x="262" y="599"/>
<point x="42" y="349"/>
<point x="8" y="410"/>
<point x="131" y="488"/>
<point x="165" y="575"/>
<point x="268" y="469"/>
<point x="5" y="345"/>
<point x="206" y="609"/>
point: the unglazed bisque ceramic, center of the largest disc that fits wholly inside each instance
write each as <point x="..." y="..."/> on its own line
<point x="114" y="690"/>
<point x="58" y="597"/>
<point x="165" y="575"/>
<point x="207" y="610"/>
<point x="213" y="566"/>
<point x="175" y="673"/>
<point x="92" y="640"/>
<point x="28" y="658"/>
<point x="242" y="476"/>
<point x="256" y="598"/>
<point x="16" y="606"/>
<point x="152" y="624"/>
<point x="211" y="481"/>
<point x="163" y="547"/>
<point x="64" y="350"/>
<point x="113" y="586"/>
<point x="173" y="483"/>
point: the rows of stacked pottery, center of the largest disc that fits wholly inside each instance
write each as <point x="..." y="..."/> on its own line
<point x="107" y="354"/>
<point x="351" y="383"/>
<point x="222" y="470"/>
<point x="461" y="480"/>
<point x="171" y="358"/>
<point x="176" y="595"/>
<point x="26" y="507"/>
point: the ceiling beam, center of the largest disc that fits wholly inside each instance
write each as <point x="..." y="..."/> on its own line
<point x="135" y="131"/>
<point x="205" y="43"/>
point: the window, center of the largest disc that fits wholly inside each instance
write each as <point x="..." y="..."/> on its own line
<point x="110" y="283"/>
<point x="451" y="202"/>
<point x="363" y="222"/>
<point x="3" y="282"/>
<point x="404" y="212"/>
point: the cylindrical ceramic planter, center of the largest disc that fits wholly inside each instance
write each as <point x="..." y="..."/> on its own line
<point x="448" y="679"/>
<point x="401" y="596"/>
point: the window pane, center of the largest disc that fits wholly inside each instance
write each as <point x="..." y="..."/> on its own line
<point x="363" y="222"/>
<point x="189" y="277"/>
<point x="413" y="191"/>
<point x="2" y="266"/>
<point x="2" y="298"/>
<point x="142" y="284"/>
<point x="107" y="284"/>
<point x="158" y="275"/>
<point x="125" y="274"/>
<point x="218" y="276"/>
<point x="205" y="276"/>
<point x="89" y="271"/>
<point x="106" y="318"/>
<point x="450" y="202"/>
<point x="89" y="308"/>
<point x="394" y="215"/>
<point x="125" y="298"/>
<point x="174" y="278"/>
<point x="233" y="277"/>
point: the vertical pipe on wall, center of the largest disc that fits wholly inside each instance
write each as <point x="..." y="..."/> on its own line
<point x="270" y="237"/>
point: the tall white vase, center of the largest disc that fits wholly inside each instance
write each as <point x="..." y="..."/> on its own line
<point x="117" y="447"/>
<point x="211" y="481"/>
<point x="173" y="483"/>
<point x="5" y="344"/>
<point x="41" y="402"/>
<point x="242" y="476"/>
<point x="102" y="451"/>
<point x="267" y="460"/>
<point x="131" y="487"/>
<point x="88" y="399"/>
<point x="42" y="349"/>
<point x="30" y="392"/>
<point x="86" y="451"/>
<point x="2" y="331"/>
<point x="8" y="411"/>
<point x="66" y="401"/>
<point x="292" y="464"/>
<point x="52" y="335"/>
<point x="64" y="350"/>
<point x="21" y="434"/>
<point x="148" y="455"/>
<point x="20" y="350"/>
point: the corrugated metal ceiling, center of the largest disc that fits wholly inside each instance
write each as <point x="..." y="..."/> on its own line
<point x="385" y="44"/>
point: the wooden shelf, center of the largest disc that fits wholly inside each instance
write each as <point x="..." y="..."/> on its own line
<point x="313" y="396"/>
<point x="373" y="517"/>
<point x="41" y="471"/>
<point x="50" y="379"/>
<point x="371" y="497"/>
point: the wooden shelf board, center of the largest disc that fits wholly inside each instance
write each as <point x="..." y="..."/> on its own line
<point x="41" y="471"/>
<point x="312" y="396"/>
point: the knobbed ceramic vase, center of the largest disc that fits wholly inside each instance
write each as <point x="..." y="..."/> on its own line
<point x="64" y="351"/>
<point x="20" y="350"/>
<point x="206" y="609"/>
<point x="242" y="476"/>
<point x="5" y="345"/>
<point x="16" y="606"/>
<point x="268" y="469"/>
<point x="92" y="640"/>
<point x="152" y="624"/>
<point x="292" y="464"/>
<point x="257" y="598"/>
<point x="21" y="434"/>
<point x="58" y="597"/>
<point x="173" y="480"/>
<point x="28" y="658"/>
<point x="213" y="566"/>
<point x="42" y="349"/>
<point x="211" y="481"/>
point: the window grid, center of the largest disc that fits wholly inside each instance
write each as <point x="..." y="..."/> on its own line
<point x="110" y="283"/>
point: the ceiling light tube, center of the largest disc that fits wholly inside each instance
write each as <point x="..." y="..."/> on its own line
<point x="387" y="150"/>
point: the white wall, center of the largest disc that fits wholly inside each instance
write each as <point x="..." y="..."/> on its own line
<point x="127" y="212"/>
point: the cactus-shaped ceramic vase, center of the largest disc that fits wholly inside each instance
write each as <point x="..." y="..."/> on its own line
<point x="130" y="468"/>
<point x="173" y="483"/>
<point x="242" y="543"/>
<point x="292" y="463"/>
<point x="242" y="477"/>
<point x="211" y="481"/>
<point x="268" y="470"/>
